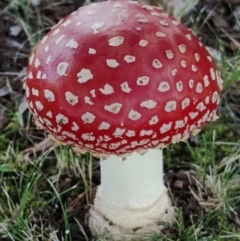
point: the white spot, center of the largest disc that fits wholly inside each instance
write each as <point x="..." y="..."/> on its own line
<point x="209" y="58"/>
<point x="46" y="48"/>
<point x="116" y="41"/>
<point x="134" y="115"/>
<point x="61" y="119"/>
<point x="35" y="92"/>
<point x="197" y="57"/>
<point x="78" y="23"/>
<point x="113" y="108"/>
<point x="31" y="58"/>
<point x="215" y="97"/>
<point x="58" y="40"/>
<point x="56" y="31"/>
<point x="175" y="22"/>
<point x="96" y="26"/>
<point x="49" y="114"/>
<point x="170" y="106"/>
<point x="44" y="39"/>
<point x="71" y="98"/>
<point x="49" y="95"/>
<point x="119" y="132"/>
<point x="74" y="127"/>
<point x="185" y="103"/>
<point x="147" y="7"/>
<point x="121" y="18"/>
<point x="154" y="120"/>
<point x="107" y="89"/>
<point x="183" y="63"/>
<point x="143" y="80"/>
<point x="88" y="137"/>
<point x="143" y="43"/>
<point x="114" y="146"/>
<point x="206" y="81"/>
<point x="129" y="58"/>
<point x="189" y="36"/>
<point x="62" y="68"/>
<point x="164" y="22"/>
<point x="149" y="104"/>
<point x="84" y="75"/>
<point x="92" y="92"/>
<point x="36" y="63"/>
<point x="133" y="2"/>
<point x="182" y="48"/>
<point x="112" y="63"/>
<point x="201" y="106"/>
<point x="199" y="88"/>
<point x="92" y="51"/>
<point x="205" y="117"/>
<point x="66" y="23"/>
<point x="160" y="34"/>
<point x="193" y="115"/>
<point x="39" y="73"/>
<point x="125" y="88"/>
<point x="138" y="28"/>
<point x="104" y="126"/>
<point x="191" y="83"/>
<point x="155" y="14"/>
<point x="169" y="54"/>
<point x="212" y="72"/>
<point x="179" y="124"/>
<point x="134" y="144"/>
<point x="90" y="13"/>
<point x="39" y="105"/>
<point x="163" y="87"/>
<point x="130" y="133"/>
<point x="176" y="138"/>
<point x="69" y="134"/>
<point x="156" y="64"/>
<point x="207" y="100"/>
<point x="72" y="44"/>
<point x="48" y="59"/>
<point x="143" y="20"/>
<point x="143" y="142"/>
<point x="118" y="5"/>
<point x="146" y="132"/>
<point x="165" y="127"/>
<point x="194" y="68"/>
<point x="87" y="100"/>
<point x="174" y="72"/>
<point x="179" y="86"/>
<point x="88" y="118"/>
<point x="48" y="122"/>
<point x="44" y="76"/>
<point x="28" y="93"/>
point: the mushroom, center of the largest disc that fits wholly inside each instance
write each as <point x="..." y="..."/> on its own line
<point x="122" y="80"/>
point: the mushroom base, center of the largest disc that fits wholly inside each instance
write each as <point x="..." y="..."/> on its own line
<point x="141" y="222"/>
<point x="132" y="198"/>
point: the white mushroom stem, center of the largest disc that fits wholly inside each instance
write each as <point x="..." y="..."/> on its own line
<point x="131" y="196"/>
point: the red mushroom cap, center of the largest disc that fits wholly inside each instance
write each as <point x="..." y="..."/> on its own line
<point x="120" y="76"/>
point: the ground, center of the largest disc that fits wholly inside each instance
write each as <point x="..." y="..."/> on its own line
<point x="46" y="189"/>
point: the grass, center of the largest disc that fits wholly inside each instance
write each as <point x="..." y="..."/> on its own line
<point x="44" y="195"/>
